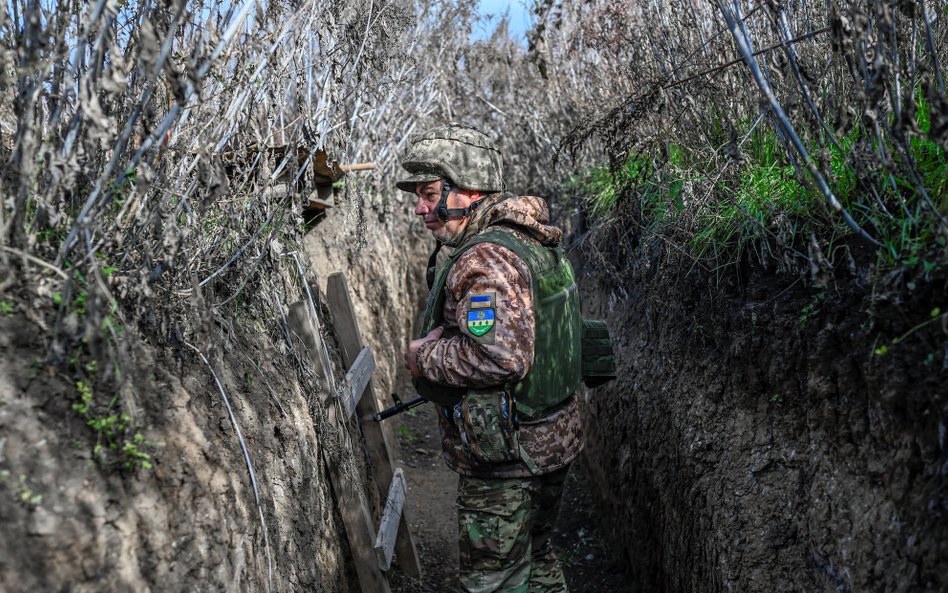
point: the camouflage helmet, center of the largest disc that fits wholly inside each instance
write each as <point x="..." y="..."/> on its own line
<point x="457" y="152"/>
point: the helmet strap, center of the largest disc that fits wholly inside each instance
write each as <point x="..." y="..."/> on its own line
<point x="442" y="210"/>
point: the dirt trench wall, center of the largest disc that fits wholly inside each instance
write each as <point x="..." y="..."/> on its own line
<point x="752" y="443"/>
<point x="191" y="522"/>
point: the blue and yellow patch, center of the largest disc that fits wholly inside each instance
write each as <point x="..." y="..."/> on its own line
<point x="480" y="314"/>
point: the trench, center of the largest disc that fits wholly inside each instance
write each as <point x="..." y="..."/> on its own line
<point x="752" y="442"/>
<point x="779" y="423"/>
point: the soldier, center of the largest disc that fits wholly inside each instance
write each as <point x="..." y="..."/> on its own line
<point x="500" y="357"/>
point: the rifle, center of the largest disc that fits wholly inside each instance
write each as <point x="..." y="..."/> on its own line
<point x="398" y="408"/>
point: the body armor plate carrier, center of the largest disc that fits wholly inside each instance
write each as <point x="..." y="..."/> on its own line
<point x="557" y="364"/>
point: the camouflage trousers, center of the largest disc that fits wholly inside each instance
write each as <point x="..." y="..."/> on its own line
<point x="504" y="529"/>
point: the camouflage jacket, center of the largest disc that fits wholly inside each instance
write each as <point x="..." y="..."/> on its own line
<point x="461" y="359"/>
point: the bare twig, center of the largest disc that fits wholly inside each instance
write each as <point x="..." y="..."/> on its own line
<point x="784" y="122"/>
<point x="26" y="256"/>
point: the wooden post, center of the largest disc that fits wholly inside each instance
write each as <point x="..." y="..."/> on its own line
<point x="377" y="434"/>
<point x="300" y="322"/>
<point x="351" y="500"/>
<point x="358" y="522"/>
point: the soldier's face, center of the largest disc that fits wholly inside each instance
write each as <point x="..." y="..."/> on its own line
<point x="426" y="207"/>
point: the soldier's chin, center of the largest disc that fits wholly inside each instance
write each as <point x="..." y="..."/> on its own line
<point x="443" y="234"/>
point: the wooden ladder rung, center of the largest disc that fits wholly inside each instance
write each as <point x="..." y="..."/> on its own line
<point x="350" y="392"/>
<point x="391" y="517"/>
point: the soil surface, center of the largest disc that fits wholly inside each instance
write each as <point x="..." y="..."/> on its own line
<point x="189" y="523"/>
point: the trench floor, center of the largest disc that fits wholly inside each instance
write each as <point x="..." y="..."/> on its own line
<point x="431" y="494"/>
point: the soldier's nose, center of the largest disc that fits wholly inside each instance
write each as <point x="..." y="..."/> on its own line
<point x="421" y="208"/>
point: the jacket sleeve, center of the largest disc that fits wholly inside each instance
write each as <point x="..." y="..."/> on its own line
<point x="505" y="353"/>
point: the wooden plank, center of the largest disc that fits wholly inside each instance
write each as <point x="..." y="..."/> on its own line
<point x="353" y="507"/>
<point x="377" y="434"/>
<point x="356" y="167"/>
<point x="358" y="523"/>
<point x="391" y="517"/>
<point x="350" y="392"/>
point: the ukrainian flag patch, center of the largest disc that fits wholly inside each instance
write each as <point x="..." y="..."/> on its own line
<point x="480" y="314"/>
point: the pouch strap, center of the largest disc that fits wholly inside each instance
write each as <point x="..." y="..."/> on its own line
<point x="528" y="461"/>
<point x="433" y="265"/>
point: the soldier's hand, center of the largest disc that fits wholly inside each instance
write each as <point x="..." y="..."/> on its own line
<point x="411" y="360"/>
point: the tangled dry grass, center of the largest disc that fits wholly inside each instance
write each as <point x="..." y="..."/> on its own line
<point x="158" y="156"/>
<point x="843" y="104"/>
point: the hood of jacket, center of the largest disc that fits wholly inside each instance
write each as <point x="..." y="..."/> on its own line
<point x="530" y="214"/>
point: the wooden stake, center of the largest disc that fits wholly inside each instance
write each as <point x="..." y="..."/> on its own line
<point x="349" y="497"/>
<point x="391" y="520"/>
<point x="377" y="434"/>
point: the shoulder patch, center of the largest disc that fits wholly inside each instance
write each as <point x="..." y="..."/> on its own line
<point x="480" y="313"/>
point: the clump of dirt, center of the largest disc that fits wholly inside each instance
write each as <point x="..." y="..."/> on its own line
<point x="767" y="433"/>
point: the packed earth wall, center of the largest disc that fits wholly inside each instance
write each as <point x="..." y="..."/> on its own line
<point x="191" y="521"/>
<point x="758" y="438"/>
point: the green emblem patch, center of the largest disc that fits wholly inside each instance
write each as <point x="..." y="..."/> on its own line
<point x="480" y="315"/>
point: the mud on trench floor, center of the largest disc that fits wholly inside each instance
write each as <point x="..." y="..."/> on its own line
<point x="432" y="488"/>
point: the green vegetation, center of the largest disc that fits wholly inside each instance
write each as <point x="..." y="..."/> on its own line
<point x="118" y="442"/>
<point x="759" y="201"/>
<point x="22" y="491"/>
<point x="812" y="309"/>
<point x="405" y="433"/>
<point x="935" y="315"/>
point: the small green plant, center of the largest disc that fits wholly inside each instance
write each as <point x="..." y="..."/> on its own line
<point x="117" y="441"/>
<point x="811" y="310"/>
<point x="6" y="308"/>
<point x="934" y="315"/>
<point x="406" y="434"/>
<point x="23" y="493"/>
<point x="571" y="557"/>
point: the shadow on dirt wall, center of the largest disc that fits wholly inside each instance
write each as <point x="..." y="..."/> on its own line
<point x="760" y="439"/>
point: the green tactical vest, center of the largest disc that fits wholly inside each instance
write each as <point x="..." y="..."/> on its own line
<point x="557" y="364"/>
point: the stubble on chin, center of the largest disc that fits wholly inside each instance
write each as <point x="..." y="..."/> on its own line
<point x="449" y="231"/>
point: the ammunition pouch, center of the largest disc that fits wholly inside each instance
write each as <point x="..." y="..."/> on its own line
<point x="487" y="422"/>
<point x="598" y="358"/>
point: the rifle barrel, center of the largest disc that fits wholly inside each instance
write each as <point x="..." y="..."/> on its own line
<point x="398" y="408"/>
